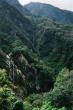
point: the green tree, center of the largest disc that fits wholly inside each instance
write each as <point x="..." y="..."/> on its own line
<point x="62" y="94"/>
<point x="18" y="105"/>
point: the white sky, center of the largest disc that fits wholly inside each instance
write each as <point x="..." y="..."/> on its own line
<point x="63" y="4"/>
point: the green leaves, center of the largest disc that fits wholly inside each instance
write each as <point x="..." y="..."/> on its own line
<point x="62" y="94"/>
<point x="18" y="105"/>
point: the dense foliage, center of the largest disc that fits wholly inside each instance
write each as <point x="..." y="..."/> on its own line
<point x="36" y="61"/>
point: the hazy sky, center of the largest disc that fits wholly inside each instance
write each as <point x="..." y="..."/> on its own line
<point x="63" y="4"/>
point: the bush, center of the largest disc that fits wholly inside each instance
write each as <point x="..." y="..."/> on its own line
<point x="27" y="105"/>
<point x="18" y="105"/>
<point x="48" y="106"/>
<point x="5" y="103"/>
<point x="62" y="94"/>
<point x="3" y="77"/>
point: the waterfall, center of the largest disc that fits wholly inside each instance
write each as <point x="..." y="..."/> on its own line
<point x="12" y="67"/>
<point x="36" y="80"/>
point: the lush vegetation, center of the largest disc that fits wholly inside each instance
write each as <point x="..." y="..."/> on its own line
<point x="36" y="62"/>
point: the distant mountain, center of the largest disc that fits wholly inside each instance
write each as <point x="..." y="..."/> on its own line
<point x="46" y="10"/>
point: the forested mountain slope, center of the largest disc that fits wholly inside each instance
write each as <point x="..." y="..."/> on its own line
<point x="14" y="26"/>
<point x="16" y="40"/>
<point x="18" y="6"/>
<point x="55" y="43"/>
<point x="36" y="61"/>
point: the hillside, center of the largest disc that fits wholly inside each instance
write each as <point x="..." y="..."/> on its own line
<point x="14" y="26"/>
<point x="17" y="5"/>
<point x="36" y="60"/>
<point x="16" y="33"/>
<point x="58" y="38"/>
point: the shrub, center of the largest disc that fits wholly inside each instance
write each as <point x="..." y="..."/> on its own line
<point x="62" y="94"/>
<point x="18" y="105"/>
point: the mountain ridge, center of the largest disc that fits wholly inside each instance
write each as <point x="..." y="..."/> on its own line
<point x="52" y="12"/>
